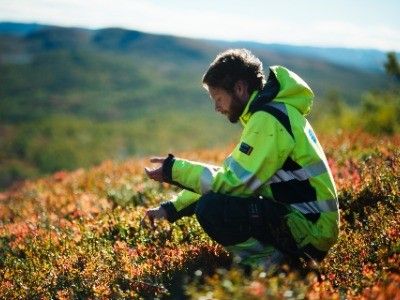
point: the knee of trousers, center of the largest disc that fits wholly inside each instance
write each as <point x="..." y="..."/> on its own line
<point x="210" y="212"/>
<point x="209" y="209"/>
<point x="215" y="215"/>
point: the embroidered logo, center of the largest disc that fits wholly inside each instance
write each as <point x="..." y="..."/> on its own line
<point x="245" y="148"/>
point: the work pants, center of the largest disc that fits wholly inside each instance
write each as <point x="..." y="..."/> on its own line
<point x="231" y="220"/>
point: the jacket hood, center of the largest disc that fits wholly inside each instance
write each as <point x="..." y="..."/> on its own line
<point x="293" y="90"/>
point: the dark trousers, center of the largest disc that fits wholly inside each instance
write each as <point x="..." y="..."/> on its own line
<point x="230" y="220"/>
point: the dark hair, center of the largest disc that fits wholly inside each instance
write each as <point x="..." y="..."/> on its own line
<point x="233" y="65"/>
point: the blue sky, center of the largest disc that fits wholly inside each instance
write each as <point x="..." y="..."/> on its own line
<point x="358" y="24"/>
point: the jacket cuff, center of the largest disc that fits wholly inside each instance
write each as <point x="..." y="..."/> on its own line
<point x="167" y="168"/>
<point x="172" y="213"/>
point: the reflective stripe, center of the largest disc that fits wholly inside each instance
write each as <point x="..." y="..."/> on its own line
<point x="206" y="181"/>
<point x="246" y="177"/>
<point x="280" y="106"/>
<point x="207" y="178"/>
<point x="316" y="207"/>
<point x="239" y="171"/>
<point x="254" y="184"/>
<point x="300" y="175"/>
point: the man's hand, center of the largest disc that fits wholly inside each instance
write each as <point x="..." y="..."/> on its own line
<point x="153" y="214"/>
<point x="157" y="173"/>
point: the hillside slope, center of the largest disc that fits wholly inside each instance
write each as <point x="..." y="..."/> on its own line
<point x="78" y="235"/>
<point x="73" y="97"/>
<point x="115" y="73"/>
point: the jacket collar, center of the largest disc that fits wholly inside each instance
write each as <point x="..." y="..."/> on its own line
<point x="245" y="116"/>
<point x="257" y="98"/>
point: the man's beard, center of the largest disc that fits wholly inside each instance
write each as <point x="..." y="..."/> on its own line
<point x="235" y="109"/>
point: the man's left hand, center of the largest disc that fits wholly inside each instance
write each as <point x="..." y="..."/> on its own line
<point x="157" y="173"/>
<point x="154" y="214"/>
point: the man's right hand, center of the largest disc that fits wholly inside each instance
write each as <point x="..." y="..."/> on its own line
<point x="155" y="213"/>
<point x="156" y="173"/>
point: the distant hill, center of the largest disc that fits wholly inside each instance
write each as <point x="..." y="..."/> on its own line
<point x="19" y="29"/>
<point x="371" y="60"/>
<point x="362" y="59"/>
<point x="73" y="97"/>
<point x="115" y="73"/>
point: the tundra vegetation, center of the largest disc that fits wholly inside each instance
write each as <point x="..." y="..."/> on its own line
<point x="77" y="235"/>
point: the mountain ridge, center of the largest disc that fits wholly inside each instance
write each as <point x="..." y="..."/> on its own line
<point x="366" y="59"/>
<point x="73" y="97"/>
<point x="117" y="54"/>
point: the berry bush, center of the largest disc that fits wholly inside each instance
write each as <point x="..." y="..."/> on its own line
<point x="78" y="235"/>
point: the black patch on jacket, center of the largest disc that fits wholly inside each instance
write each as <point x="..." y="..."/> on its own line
<point x="245" y="148"/>
<point x="295" y="191"/>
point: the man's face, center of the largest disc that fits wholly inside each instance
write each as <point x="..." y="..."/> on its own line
<point x="226" y="103"/>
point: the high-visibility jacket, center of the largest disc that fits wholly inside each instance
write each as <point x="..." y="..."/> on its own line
<point x="278" y="157"/>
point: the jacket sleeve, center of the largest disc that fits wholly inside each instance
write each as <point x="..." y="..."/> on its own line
<point x="263" y="148"/>
<point x="183" y="204"/>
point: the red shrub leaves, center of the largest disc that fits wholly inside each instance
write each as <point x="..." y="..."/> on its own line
<point x="77" y="235"/>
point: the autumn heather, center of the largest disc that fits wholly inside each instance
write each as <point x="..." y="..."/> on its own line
<point x="77" y="235"/>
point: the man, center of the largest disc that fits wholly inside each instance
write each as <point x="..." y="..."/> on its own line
<point x="274" y="196"/>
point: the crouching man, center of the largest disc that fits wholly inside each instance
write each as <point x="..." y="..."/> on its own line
<point x="274" y="196"/>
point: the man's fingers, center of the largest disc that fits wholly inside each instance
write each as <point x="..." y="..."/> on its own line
<point x="150" y="216"/>
<point x="153" y="214"/>
<point x="148" y="173"/>
<point x="157" y="160"/>
<point x="143" y="222"/>
<point x="156" y="173"/>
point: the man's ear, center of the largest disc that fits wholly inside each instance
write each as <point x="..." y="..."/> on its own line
<point x="241" y="88"/>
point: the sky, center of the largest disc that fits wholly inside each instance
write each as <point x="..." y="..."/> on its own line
<point x="330" y="23"/>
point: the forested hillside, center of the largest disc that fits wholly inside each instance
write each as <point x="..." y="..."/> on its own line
<point x="115" y="73"/>
<point x="72" y="97"/>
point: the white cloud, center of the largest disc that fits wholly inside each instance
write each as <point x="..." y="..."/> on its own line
<point x="347" y="34"/>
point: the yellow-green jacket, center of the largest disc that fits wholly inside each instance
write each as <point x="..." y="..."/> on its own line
<point x="278" y="157"/>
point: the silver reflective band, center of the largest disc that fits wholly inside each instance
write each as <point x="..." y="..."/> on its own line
<point x="239" y="171"/>
<point x="207" y="178"/>
<point x="300" y="175"/>
<point x="254" y="184"/>
<point x="280" y="106"/>
<point x="246" y="177"/>
<point x="316" y="207"/>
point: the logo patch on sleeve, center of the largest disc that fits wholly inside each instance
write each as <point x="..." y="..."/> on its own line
<point x="245" y="148"/>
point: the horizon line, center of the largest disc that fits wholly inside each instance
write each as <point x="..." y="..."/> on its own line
<point x="228" y="40"/>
